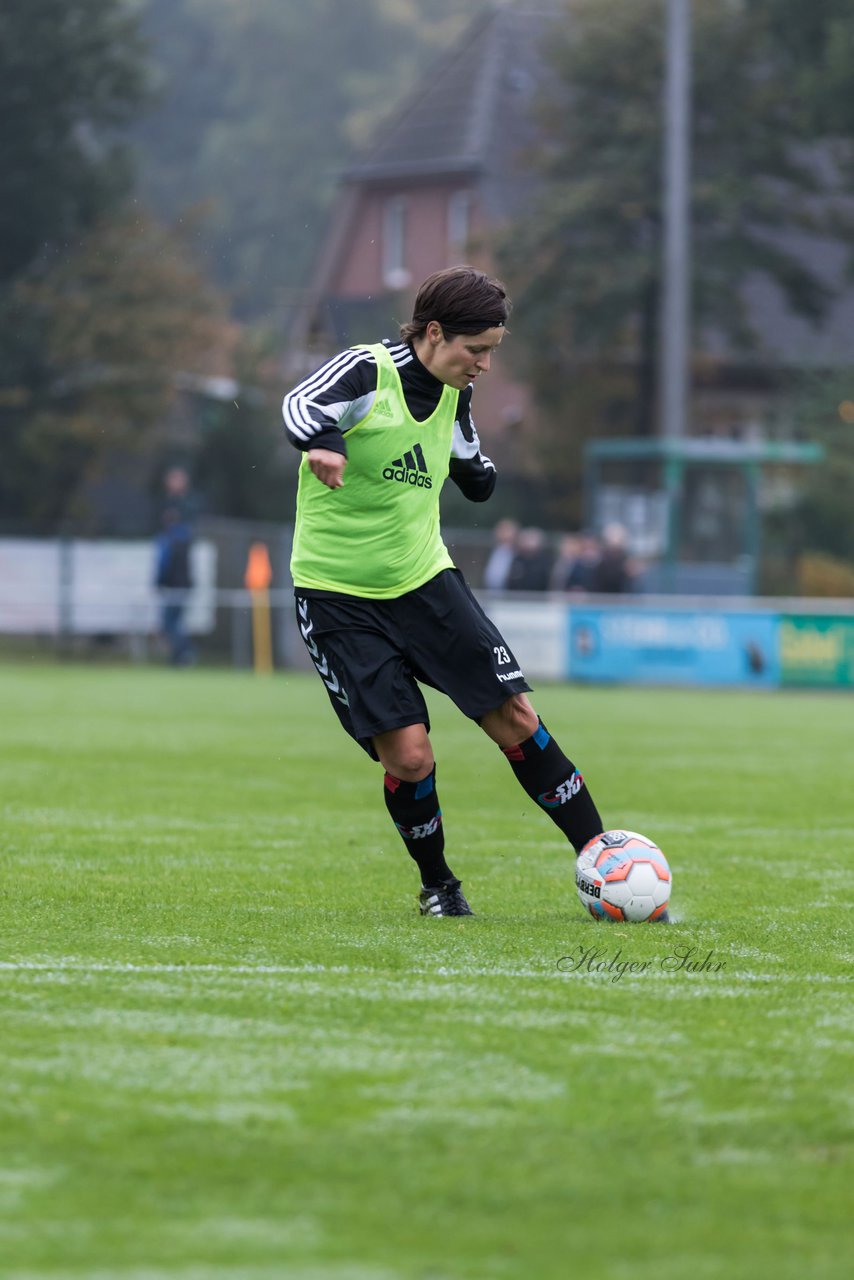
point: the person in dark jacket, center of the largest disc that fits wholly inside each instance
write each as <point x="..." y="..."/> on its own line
<point x="174" y="580"/>
<point x="612" y="574"/>
<point x="532" y="563"/>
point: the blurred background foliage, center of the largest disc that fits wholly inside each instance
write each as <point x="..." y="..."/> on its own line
<point x="771" y="153"/>
<point x="258" y="107"/>
<point x="169" y="172"/>
<point x="172" y="164"/>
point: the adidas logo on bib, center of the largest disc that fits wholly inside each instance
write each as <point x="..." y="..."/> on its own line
<point x="410" y="469"/>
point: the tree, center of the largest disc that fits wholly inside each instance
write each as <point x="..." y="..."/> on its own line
<point x="822" y="410"/>
<point x="243" y="465"/>
<point x="102" y="312"/>
<point x="815" y="47"/>
<point x="585" y="263"/>
<point x="101" y="337"/>
<point x="260" y="107"/>
<point x="71" y="74"/>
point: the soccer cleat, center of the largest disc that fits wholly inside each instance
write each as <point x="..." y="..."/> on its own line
<point x="444" y="900"/>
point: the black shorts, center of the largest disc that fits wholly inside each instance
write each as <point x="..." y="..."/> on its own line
<point x="371" y="655"/>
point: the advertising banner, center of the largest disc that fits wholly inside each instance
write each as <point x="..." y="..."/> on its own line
<point x="817" y="650"/>
<point x="664" y="646"/>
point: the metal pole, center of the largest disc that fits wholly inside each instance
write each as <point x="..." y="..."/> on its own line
<point x="676" y="317"/>
<point x="65" y="613"/>
<point x="753" y="523"/>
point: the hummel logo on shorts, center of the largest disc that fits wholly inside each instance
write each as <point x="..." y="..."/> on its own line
<point x="410" y="469"/>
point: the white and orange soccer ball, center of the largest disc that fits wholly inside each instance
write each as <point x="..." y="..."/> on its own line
<point x="622" y="875"/>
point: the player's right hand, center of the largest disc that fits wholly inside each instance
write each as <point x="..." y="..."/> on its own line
<point x="328" y="466"/>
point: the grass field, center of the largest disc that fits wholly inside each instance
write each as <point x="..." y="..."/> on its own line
<point x="231" y="1048"/>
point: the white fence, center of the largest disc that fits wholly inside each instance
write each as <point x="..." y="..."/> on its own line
<point x="77" y="587"/>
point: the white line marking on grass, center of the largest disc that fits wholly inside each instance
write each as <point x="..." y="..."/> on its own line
<point x="66" y="965"/>
<point x="216" y="1271"/>
<point x="71" y="965"/>
<point x="383" y="985"/>
<point x="735" y="1155"/>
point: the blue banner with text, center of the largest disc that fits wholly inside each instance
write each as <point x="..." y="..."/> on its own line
<point x="663" y="646"/>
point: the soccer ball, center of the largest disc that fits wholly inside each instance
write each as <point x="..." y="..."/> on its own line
<point x="621" y="875"/>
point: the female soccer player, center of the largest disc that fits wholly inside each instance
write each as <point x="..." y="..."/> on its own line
<point x="380" y="605"/>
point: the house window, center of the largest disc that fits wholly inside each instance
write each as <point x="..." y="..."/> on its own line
<point x="395" y="274"/>
<point x="459" y="217"/>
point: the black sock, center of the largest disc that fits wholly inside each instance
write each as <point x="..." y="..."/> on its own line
<point x="556" y="785"/>
<point x="414" y="809"/>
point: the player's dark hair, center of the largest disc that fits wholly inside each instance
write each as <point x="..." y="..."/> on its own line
<point x="461" y="299"/>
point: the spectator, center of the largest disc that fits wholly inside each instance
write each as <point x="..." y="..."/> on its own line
<point x="576" y="567"/>
<point x="613" y="571"/>
<point x="500" y="561"/>
<point x="532" y="562"/>
<point x="566" y="562"/>
<point x="173" y="577"/>
<point x="176" y="486"/>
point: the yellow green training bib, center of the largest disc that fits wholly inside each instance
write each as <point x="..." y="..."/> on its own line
<point x="378" y="536"/>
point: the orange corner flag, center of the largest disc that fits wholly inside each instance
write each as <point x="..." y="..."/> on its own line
<point x="259" y="571"/>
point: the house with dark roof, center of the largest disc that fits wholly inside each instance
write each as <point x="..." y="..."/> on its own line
<point x="442" y="174"/>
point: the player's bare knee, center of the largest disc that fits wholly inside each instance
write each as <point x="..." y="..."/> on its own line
<point x="405" y="754"/>
<point x="411" y="766"/>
